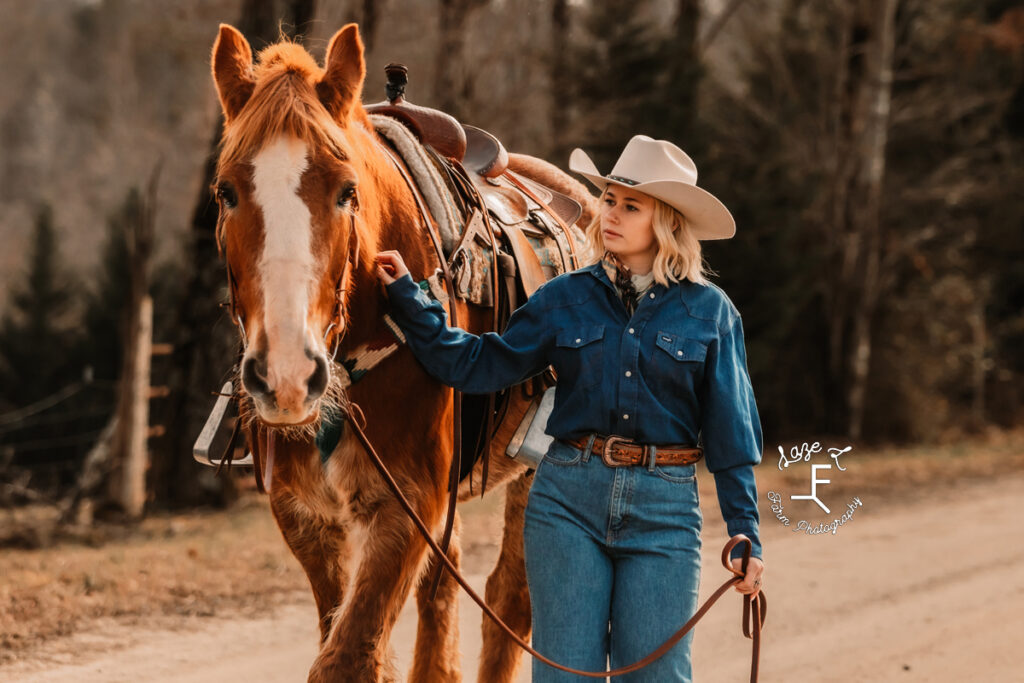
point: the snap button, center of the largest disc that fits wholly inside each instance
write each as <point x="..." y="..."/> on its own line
<point x="631" y="330"/>
<point x="679" y="353"/>
<point x="578" y="340"/>
<point x="628" y="373"/>
<point x="652" y="295"/>
<point x="625" y="416"/>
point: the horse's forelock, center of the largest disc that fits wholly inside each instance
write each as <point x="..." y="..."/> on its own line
<point x="284" y="103"/>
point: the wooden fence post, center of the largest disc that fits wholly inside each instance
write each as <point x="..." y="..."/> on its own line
<point x="136" y="453"/>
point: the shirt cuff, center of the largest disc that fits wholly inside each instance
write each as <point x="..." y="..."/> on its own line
<point x="755" y="541"/>
<point x="407" y="298"/>
<point x="737" y="497"/>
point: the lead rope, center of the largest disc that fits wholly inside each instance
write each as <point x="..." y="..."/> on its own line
<point x="754" y="609"/>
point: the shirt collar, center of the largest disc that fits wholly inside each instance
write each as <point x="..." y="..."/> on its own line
<point x="598" y="271"/>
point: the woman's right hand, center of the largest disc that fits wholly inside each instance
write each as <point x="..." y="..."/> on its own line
<point x="390" y="266"/>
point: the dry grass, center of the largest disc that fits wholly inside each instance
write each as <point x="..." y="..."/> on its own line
<point x="194" y="564"/>
<point x="218" y="562"/>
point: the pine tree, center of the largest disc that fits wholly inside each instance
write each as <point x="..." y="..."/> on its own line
<point x="107" y="302"/>
<point x="37" y="335"/>
<point x="633" y="76"/>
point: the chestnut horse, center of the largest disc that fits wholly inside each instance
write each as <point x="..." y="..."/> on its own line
<point x="308" y="197"/>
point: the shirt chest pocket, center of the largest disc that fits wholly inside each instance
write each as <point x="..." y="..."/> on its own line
<point x="679" y="348"/>
<point x="677" y="364"/>
<point x="579" y="356"/>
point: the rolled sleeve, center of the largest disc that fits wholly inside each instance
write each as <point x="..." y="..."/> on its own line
<point x="731" y="434"/>
<point x="475" y="364"/>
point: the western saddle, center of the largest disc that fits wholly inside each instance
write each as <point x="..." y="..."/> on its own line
<point x="515" y="204"/>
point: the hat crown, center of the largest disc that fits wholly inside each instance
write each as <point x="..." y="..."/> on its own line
<point x="645" y="160"/>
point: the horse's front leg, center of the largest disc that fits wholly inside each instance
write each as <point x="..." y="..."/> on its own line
<point x="357" y="646"/>
<point x="437" y="658"/>
<point x="319" y="546"/>
<point x="507" y="592"/>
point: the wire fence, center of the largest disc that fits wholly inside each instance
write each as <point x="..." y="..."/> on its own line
<point x="43" y="444"/>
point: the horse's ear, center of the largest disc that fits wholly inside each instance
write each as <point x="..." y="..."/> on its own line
<point x="342" y="84"/>
<point x="232" y="70"/>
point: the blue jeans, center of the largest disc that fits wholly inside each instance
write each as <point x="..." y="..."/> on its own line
<point x="613" y="564"/>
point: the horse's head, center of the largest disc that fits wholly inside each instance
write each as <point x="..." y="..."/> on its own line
<point x="288" y="186"/>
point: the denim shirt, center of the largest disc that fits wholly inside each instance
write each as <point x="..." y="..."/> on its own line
<point x="673" y="373"/>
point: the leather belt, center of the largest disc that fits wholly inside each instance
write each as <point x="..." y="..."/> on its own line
<point x="618" y="451"/>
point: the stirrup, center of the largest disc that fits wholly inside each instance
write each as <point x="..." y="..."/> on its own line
<point x="218" y="434"/>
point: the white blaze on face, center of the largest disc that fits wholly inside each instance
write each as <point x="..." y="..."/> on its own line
<point x="286" y="267"/>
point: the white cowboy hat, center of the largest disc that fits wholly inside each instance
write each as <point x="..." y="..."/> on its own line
<point x="660" y="169"/>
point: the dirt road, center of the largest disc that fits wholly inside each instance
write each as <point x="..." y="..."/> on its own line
<point x="927" y="590"/>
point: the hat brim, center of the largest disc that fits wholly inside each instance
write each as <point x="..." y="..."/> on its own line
<point x="706" y="216"/>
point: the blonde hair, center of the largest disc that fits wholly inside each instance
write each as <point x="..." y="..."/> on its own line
<point x="679" y="254"/>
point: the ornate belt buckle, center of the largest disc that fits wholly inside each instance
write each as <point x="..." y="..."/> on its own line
<point x="606" y="451"/>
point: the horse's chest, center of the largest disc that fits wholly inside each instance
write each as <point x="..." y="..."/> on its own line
<point x="341" y="496"/>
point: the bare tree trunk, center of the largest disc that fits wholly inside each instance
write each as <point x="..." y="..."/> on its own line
<point x="837" y="167"/>
<point x="859" y="122"/>
<point x="452" y="85"/>
<point x="873" y="106"/>
<point x="367" y="14"/>
<point x="685" y="70"/>
<point x="130" y="454"/>
<point x="979" y="346"/>
<point x="717" y="24"/>
<point x="560" y="79"/>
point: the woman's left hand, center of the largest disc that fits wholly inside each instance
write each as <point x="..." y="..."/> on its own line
<point x="390" y="266"/>
<point x="753" y="581"/>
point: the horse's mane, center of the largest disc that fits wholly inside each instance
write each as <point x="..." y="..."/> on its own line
<point x="284" y="102"/>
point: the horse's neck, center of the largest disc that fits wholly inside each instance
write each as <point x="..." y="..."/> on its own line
<point x="399" y="226"/>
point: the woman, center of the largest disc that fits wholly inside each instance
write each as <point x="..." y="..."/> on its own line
<point x="647" y="351"/>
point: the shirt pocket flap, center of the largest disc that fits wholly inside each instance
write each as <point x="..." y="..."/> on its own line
<point x="579" y="337"/>
<point x="680" y="348"/>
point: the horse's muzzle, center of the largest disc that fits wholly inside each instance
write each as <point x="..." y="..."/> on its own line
<point x="286" y="401"/>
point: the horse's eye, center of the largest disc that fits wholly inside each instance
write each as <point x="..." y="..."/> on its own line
<point x="226" y="194"/>
<point x="346" y="195"/>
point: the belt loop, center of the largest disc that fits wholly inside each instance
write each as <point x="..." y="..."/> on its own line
<point x="589" y="447"/>
<point x="653" y="455"/>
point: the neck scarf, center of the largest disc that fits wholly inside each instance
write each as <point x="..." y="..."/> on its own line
<point x="630" y="287"/>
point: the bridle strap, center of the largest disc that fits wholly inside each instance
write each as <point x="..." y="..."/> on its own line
<point x="344" y="281"/>
<point x="754" y="608"/>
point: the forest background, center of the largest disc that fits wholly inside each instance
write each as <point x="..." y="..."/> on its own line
<point x="870" y="151"/>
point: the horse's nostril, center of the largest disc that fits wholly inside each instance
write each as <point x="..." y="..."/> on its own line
<point x="317" y="382"/>
<point x="254" y="376"/>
